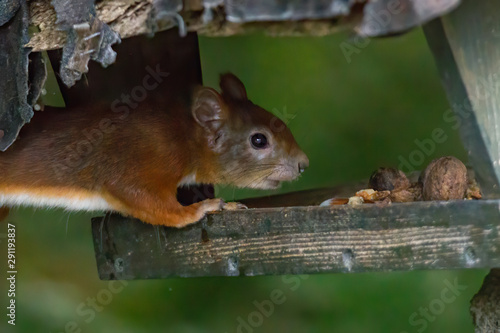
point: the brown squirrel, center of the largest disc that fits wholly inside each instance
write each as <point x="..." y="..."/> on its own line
<point x="133" y="161"/>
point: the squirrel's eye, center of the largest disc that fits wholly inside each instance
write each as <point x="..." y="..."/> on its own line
<point x="259" y="141"/>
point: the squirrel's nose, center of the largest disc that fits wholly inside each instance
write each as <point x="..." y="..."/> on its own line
<point x="303" y="162"/>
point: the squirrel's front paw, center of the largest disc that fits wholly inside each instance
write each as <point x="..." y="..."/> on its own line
<point x="213" y="205"/>
<point x="233" y="206"/>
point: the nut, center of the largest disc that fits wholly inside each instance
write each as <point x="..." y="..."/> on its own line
<point x="388" y="179"/>
<point x="371" y="195"/>
<point x="355" y="201"/>
<point x="444" y="178"/>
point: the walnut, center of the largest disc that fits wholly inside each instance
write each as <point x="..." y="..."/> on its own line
<point x="444" y="178"/>
<point x="388" y="179"/>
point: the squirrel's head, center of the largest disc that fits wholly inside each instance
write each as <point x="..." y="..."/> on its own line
<point x="254" y="148"/>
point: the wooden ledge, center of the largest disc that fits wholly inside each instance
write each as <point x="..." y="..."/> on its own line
<point x="304" y="240"/>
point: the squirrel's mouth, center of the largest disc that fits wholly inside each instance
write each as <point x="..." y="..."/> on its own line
<point x="274" y="181"/>
<point x="282" y="173"/>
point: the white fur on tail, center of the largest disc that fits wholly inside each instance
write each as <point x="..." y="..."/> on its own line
<point x="76" y="202"/>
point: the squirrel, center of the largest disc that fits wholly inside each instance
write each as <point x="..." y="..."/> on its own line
<point x="133" y="161"/>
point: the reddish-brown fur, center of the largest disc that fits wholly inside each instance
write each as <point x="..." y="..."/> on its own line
<point x="135" y="159"/>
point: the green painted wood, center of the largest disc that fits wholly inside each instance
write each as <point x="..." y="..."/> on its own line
<point x="466" y="47"/>
<point x="304" y="240"/>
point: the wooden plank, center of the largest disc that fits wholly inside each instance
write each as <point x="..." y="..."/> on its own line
<point x="236" y="17"/>
<point x="304" y="240"/>
<point x="131" y="18"/>
<point x="166" y="52"/>
<point x="467" y="53"/>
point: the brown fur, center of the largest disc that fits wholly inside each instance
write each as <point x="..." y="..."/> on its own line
<point x="135" y="159"/>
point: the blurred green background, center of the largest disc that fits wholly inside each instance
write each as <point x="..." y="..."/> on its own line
<point x="350" y="118"/>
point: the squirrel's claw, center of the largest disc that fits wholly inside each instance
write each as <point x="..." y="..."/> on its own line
<point x="233" y="206"/>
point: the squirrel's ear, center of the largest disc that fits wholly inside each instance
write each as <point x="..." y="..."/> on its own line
<point x="232" y="87"/>
<point x="208" y="108"/>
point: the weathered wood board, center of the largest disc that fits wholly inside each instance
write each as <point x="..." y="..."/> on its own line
<point x="304" y="240"/>
<point x="466" y="47"/>
<point x="236" y="17"/>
